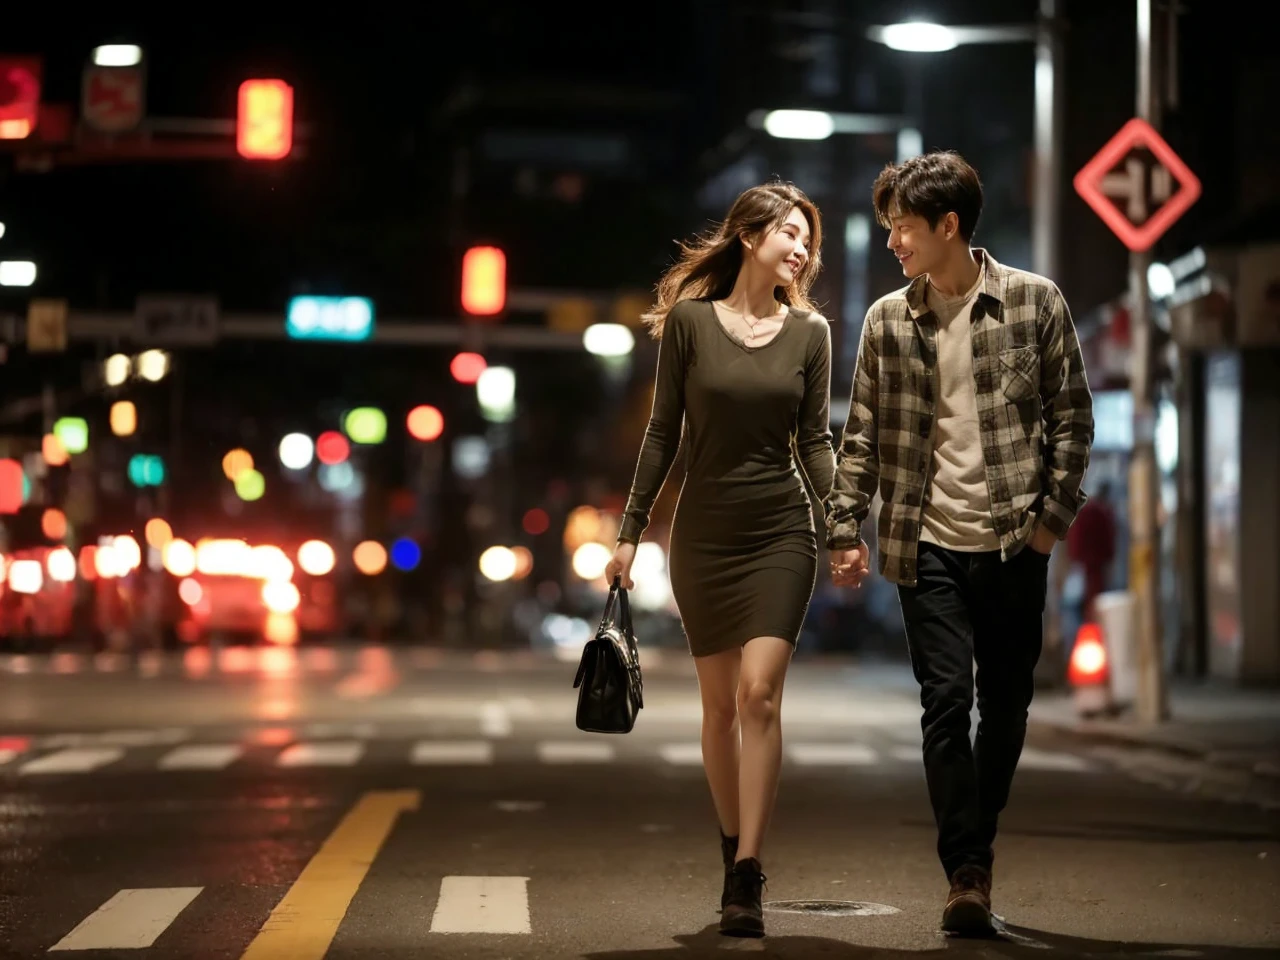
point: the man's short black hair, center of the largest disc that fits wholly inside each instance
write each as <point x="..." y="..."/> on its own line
<point x="930" y="186"/>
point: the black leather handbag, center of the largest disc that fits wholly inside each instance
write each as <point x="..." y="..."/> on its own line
<point x="610" y="691"/>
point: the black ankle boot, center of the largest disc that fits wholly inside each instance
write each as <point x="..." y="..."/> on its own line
<point x="742" y="915"/>
<point x="729" y="851"/>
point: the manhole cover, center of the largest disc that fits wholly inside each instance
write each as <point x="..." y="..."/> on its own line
<point x="831" y="908"/>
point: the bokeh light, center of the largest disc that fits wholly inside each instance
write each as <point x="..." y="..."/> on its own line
<point x="332" y="448"/>
<point x="316" y="558"/>
<point x="498" y="564"/>
<point x="235" y="463"/>
<point x="370" y="557"/>
<point x="425" y="423"/>
<point x="296" y="451"/>
<point x="405" y="554"/>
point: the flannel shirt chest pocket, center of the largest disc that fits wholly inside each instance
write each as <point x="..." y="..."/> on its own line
<point x="1020" y="373"/>
<point x="1019" y="369"/>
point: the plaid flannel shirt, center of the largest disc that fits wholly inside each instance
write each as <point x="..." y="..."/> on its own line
<point x="1035" y="416"/>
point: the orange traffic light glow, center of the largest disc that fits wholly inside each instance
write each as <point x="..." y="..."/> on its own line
<point x="484" y="281"/>
<point x="264" y="123"/>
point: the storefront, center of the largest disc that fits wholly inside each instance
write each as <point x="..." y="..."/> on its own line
<point x="1225" y="310"/>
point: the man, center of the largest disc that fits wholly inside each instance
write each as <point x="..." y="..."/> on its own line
<point x="972" y="416"/>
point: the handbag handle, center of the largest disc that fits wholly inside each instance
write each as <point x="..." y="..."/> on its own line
<point x="618" y="593"/>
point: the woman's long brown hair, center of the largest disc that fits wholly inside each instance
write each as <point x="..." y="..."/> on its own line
<point x="708" y="266"/>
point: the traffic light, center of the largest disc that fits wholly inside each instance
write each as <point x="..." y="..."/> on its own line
<point x="484" y="281"/>
<point x="146" y="470"/>
<point x="264" y="121"/>
<point x="19" y="96"/>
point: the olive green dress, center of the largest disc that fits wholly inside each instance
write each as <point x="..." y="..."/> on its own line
<point x="743" y="554"/>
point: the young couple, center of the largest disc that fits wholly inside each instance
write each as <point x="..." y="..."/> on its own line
<point x="970" y="415"/>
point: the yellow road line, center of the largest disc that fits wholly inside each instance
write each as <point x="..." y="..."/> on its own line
<point x="304" y="923"/>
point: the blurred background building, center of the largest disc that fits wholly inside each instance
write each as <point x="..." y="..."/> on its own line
<point x="377" y="316"/>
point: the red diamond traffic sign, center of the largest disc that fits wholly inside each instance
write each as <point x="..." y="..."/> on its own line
<point x="1147" y="205"/>
<point x="111" y="98"/>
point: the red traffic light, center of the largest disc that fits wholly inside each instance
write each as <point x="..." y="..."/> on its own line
<point x="11" y="483"/>
<point x="484" y="281"/>
<point x="19" y="96"/>
<point x="467" y="367"/>
<point x="264" y="121"/>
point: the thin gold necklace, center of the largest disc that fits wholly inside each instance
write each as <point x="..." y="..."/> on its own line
<point x="751" y="326"/>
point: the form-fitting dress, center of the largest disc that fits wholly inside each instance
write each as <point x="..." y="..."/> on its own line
<point x="743" y="555"/>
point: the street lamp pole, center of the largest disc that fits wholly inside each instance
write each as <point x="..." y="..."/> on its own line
<point x="1046" y="204"/>
<point x="919" y="37"/>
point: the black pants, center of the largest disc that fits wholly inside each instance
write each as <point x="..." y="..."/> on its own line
<point x="967" y="607"/>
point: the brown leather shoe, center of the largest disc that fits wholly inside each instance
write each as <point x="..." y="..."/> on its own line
<point x="968" y="909"/>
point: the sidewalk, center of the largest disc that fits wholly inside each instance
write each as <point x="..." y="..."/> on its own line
<point x="1209" y="721"/>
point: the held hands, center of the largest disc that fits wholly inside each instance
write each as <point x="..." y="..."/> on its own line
<point x="620" y="566"/>
<point x="850" y="567"/>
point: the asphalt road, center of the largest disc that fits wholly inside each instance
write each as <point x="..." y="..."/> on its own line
<point x="375" y="804"/>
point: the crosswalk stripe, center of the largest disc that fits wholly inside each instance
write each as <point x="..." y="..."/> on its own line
<point x="201" y="756"/>
<point x="682" y="754"/>
<point x="830" y="754"/>
<point x="129" y="920"/>
<point x="73" y="760"/>
<point x="457" y="752"/>
<point x="7" y="755"/>
<point x="575" y="752"/>
<point x="341" y="753"/>
<point x="482" y="905"/>
<point x="1033" y="759"/>
<point x="494" y="720"/>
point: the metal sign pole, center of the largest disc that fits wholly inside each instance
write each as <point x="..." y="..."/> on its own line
<point x="1144" y="485"/>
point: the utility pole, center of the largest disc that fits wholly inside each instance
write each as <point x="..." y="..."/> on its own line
<point x="1046" y="210"/>
<point x="1144" y="487"/>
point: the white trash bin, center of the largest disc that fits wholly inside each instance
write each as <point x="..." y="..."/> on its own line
<point x="1117" y="618"/>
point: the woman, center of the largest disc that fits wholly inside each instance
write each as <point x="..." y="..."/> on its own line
<point x="745" y="366"/>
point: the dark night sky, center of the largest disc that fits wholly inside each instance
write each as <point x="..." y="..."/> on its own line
<point x="368" y="207"/>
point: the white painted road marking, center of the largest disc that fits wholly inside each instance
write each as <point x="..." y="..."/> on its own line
<point x="75" y="760"/>
<point x="340" y="753"/>
<point x="129" y="920"/>
<point x="682" y="754"/>
<point x="201" y="756"/>
<point x="830" y="754"/>
<point x="908" y="754"/>
<point x="482" y="905"/>
<point x="1033" y="759"/>
<point x="575" y="752"/>
<point x="494" y="720"/>
<point x="472" y="752"/>
<point x="7" y="755"/>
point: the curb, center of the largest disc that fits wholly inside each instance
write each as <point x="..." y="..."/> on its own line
<point x="1180" y="748"/>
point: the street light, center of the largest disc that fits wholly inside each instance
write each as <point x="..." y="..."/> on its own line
<point x="921" y="37"/>
<point x="917" y="37"/>
<point x="799" y="124"/>
<point x="117" y="55"/>
<point x="17" y="273"/>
